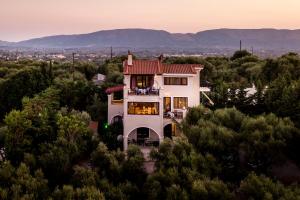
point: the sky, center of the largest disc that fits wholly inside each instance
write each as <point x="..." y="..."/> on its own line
<point x="25" y="19"/>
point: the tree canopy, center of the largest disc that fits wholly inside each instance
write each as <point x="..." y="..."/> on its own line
<point x="226" y="151"/>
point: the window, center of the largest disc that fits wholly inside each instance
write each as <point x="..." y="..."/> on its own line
<point x="175" y="81"/>
<point x="143" y="108"/>
<point x="141" y="81"/>
<point x="117" y="98"/>
<point x="180" y="102"/>
<point x="118" y="95"/>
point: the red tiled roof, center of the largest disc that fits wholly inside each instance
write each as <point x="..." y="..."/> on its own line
<point x="114" y="89"/>
<point x="156" y="67"/>
<point x="94" y="126"/>
<point x="143" y="67"/>
<point x="180" y="68"/>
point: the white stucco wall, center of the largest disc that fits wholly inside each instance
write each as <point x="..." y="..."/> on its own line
<point x="191" y="90"/>
<point x="132" y="122"/>
<point x="156" y="122"/>
<point x="113" y="109"/>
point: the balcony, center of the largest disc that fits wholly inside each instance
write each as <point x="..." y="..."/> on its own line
<point x="173" y="115"/>
<point x="144" y="142"/>
<point x="143" y="85"/>
<point x="144" y="92"/>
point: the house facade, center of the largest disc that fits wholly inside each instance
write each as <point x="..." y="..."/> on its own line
<point x="153" y="100"/>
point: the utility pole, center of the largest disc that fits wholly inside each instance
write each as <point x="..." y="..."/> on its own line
<point x="111" y="52"/>
<point x="50" y="72"/>
<point x="17" y="54"/>
<point x="240" y="45"/>
<point x="73" y="64"/>
<point x="252" y="50"/>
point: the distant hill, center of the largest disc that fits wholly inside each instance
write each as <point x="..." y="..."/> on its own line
<point x="258" y="38"/>
<point x="121" y="38"/>
<point x="269" y="39"/>
<point x="4" y="43"/>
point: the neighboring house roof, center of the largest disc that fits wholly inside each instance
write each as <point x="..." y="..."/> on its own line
<point x="157" y="67"/>
<point x="93" y="125"/>
<point x="113" y="89"/>
<point x="99" y="78"/>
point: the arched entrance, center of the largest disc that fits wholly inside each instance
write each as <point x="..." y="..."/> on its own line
<point x="143" y="136"/>
<point x="168" y="131"/>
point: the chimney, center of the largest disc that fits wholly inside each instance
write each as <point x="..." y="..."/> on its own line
<point x="129" y="60"/>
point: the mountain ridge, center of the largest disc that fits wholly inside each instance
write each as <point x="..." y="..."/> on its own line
<point x="264" y="38"/>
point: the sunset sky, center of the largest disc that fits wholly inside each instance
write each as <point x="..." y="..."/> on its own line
<point x="24" y="19"/>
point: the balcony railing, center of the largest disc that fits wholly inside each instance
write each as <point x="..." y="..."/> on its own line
<point x="174" y="114"/>
<point x="144" y="142"/>
<point x="147" y="91"/>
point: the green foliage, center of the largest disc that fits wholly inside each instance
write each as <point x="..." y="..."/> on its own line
<point x="235" y="139"/>
<point x="26" y="82"/>
<point x="75" y="94"/>
<point x="240" y="54"/>
<point x="132" y="168"/>
<point x="88" y="69"/>
<point x="110" y="135"/>
<point x="44" y="137"/>
<point x="106" y="162"/>
<point x="15" y="138"/>
<point x="98" y="108"/>
<point x="73" y="141"/>
<point x="70" y="193"/>
<point x="216" y="158"/>
<point x="122" y="178"/>
<point x="19" y="183"/>
<point x="84" y="177"/>
<point x="31" y="126"/>
<point x="261" y="187"/>
<point x="210" y="189"/>
<point x="181" y="173"/>
<point x="276" y="82"/>
<point x="113" y="71"/>
<point x="283" y="97"/>
<point x="274" y="68"/>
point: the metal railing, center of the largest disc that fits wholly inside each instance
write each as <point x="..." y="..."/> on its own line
<point x="174" y="114"/>
<point x="147" y="91"/>
<point x="144" y="142"/>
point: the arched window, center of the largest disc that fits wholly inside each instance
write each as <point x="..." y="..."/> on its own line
<point x="117" y="119"/>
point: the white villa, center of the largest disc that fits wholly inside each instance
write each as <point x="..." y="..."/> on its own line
<point x="154" y="98"/>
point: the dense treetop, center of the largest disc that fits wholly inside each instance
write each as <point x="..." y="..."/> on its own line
<point x="226" y="151"/>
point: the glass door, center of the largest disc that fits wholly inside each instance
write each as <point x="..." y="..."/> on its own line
<point x="167" y="104"/>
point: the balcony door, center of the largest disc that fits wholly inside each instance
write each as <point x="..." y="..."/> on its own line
<point x="142" y="81"/>
<point x="167" y="104"/>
